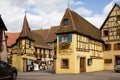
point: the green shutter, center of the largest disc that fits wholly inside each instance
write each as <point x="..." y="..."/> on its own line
<point x="70" y="38"/>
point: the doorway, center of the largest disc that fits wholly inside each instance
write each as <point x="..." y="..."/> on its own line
<point x="82" y="64"/>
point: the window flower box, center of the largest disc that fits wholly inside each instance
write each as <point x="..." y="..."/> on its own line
<point x="64" y="45"/>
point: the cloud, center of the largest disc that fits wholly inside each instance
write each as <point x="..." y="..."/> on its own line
<point x="83" y="11"/>
<point x="40" y="14"/>
<point x="76" y="3"/>
<point x="43" y="14"/>
<point x="98" y="19"/>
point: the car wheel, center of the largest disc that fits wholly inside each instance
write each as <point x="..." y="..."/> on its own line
<point x="14" y="75"/>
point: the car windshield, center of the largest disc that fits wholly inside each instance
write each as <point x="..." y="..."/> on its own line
<point x="118" y="62"/>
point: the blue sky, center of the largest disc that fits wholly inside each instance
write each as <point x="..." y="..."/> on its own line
<point x="47" y="13"/>
<point x="96" y="5"/>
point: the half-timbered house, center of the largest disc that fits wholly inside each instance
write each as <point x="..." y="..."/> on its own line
<point x="29" y="48"/>
<point x="79" y="45"/>
<point x="111" y="36"/>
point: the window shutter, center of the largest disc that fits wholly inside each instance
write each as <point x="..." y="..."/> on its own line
<point x="115" y="46"/>
<point x="60" y="38"/>
<point x="70" y="38"/>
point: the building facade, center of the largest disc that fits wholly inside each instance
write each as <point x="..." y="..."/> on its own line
<point x="30" y="50"/>
<point x="51" y="39"/>
<point x="3" y="39"/>
<point x="111" y="36"/>
<point x="79" y="45"/>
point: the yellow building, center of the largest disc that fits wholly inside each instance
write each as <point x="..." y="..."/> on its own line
<point x="79" y="45"/>
<point x="111" y="36"/>
<point x="30" y="48"/>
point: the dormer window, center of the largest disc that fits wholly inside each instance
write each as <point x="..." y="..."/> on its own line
<point x="65" y="21"/>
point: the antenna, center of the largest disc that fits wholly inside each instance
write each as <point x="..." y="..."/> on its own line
<point x="25" y="12"/>
<point x="68" y="4"/>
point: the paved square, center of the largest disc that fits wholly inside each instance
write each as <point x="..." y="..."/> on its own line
<point x="48" y="75"/>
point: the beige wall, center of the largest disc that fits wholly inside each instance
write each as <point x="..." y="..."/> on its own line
<point x="19" y="54"/>
<point x="3" y="54"/>
<point x="17" y="62"/>
<point x="65" y="54"/>
<point x="111" y="55"/>
<point x="74" y="57"/>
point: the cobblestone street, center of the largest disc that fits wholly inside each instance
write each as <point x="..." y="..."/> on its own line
<point x="48" y="75"/>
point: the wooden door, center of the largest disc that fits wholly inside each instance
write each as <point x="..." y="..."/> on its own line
<point x="82" y="64"/>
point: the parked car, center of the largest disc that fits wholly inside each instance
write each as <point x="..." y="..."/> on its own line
<point x="117" y="66"/>
<point x="7" y="72"/>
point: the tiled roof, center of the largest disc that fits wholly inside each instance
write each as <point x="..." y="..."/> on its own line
<point x="79" y="25"/>
<point x="25" y="32"/>
<point x="39" y="41"/>
<point x="48" y="34"/>
<point x="2" y="25"/>
<point x="42" y="32"/>
<point x="12" y="38"/>
<point x="51" y="36"/>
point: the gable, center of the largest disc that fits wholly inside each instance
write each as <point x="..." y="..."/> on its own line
<point x="78" y="24"/>
<point x="111" y="26"/>
<point x="70" y="27"/>
<point x="51" y="36"/>
<point x="112" y="17"/>
<point x="68" y="16"/>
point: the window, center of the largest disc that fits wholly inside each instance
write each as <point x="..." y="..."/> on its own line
<point x="64" y="63"/>
<point x="65" y="21"/>
<point x="106" y="33"/>
<point x="107" y="47"/>
<point x="65" y="38"/>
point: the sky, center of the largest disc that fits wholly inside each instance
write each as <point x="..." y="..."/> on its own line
<point x="47" y="13"/>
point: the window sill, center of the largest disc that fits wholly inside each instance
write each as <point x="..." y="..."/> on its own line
<point x="64" y="67"/>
